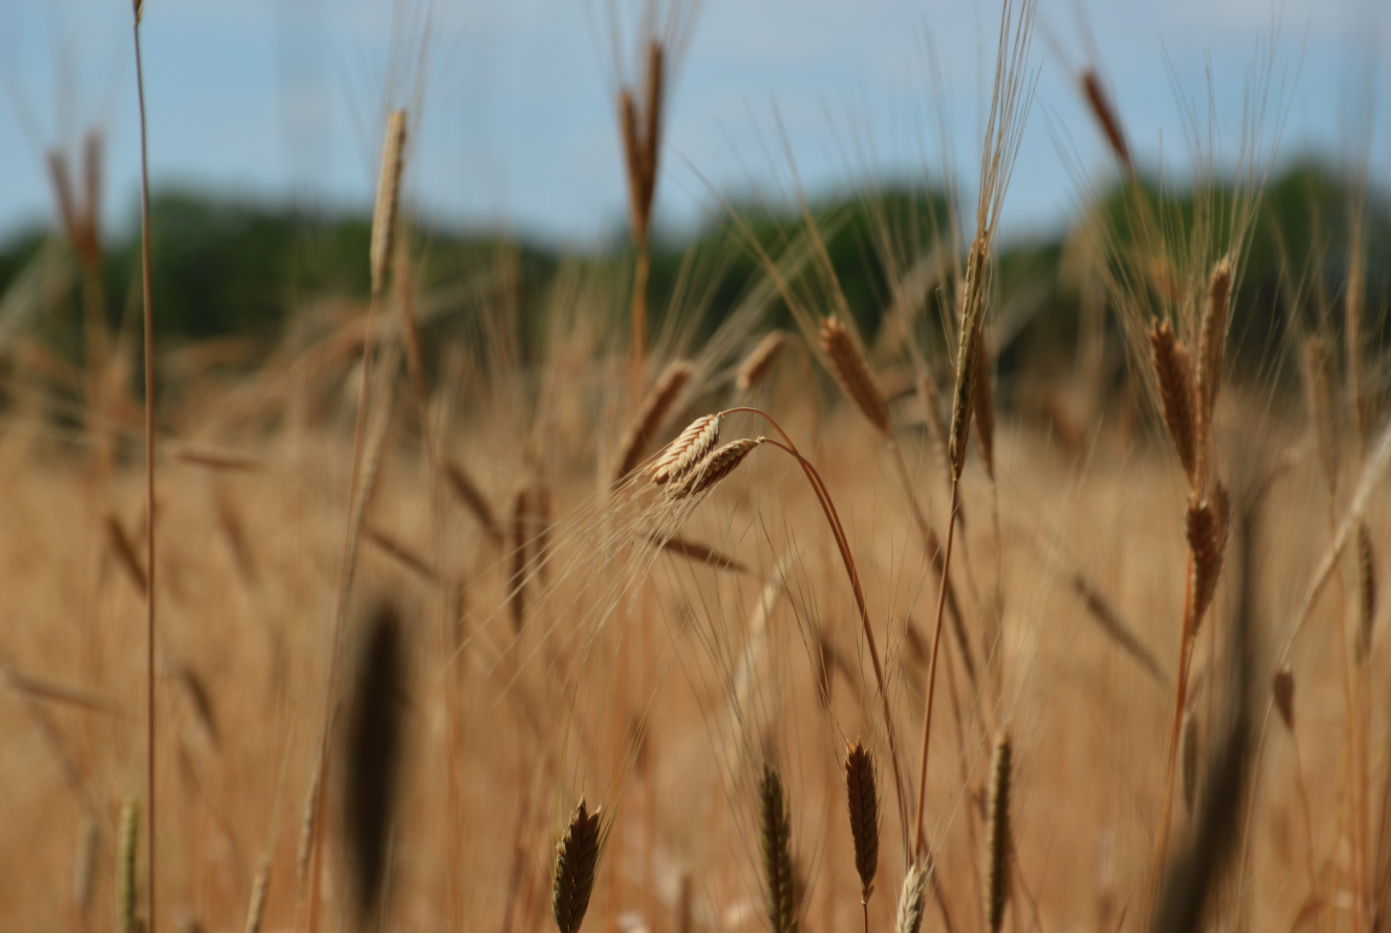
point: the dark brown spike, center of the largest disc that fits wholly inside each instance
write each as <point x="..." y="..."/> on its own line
<point x="1205" y="542"/>
<point x="775" y="841"/>
<point x="576" y="861"/>
<point x="999" y="834"/>
<point x="1106" y="116"/>
<point x="1174" y="372"/>
<point x="1283" y="687"/>
<point x="863" y="804"/>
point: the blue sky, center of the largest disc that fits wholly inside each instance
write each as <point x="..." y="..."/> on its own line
<point x="285" y="98"/>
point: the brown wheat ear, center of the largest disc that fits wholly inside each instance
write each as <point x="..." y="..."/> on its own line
<point x="998" y="833"/>
<point x="862" y="797"/>
<point x="775" y="842"/>
<point x="1212" y="339"/>
<point x="1205" y="541"/>
<point x="576" y="861"/>
<point x="388" y="197"/>
<point x="1105" y="115"/>
<point x="651" y="414"/>
<point x="851" y="369"/>
<point x="757" y="364"/>
<point x="1174" y="372"/>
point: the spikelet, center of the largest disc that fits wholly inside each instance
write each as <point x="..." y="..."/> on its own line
<point x="576" y="860"/>
<point x="388" y="197"/>
<point x="1366" y="592"/>
<point x="1174" y="371"/>
<point x="1212" y="338"/>
<point x="756" y="365"/>
<point x="1283" y="687"/>
<point x="913" y="901"/>
<point x="257" y="907"/>
<point x="1188" y="742"/>
<point x="716" y="466"/>
<point x="1205" y="542"/>
<point x="998" y="834"/>
<point x="126" y="850"/>
<point x="863" y="804"/>
<point x="775" y="842"/>
<point x="689" y="448"/>
<point x="1318" y="391"/>
<point x="654" y="410"/>
<point x="1105" y="115"/>
<point x="851" y="369"/>
<point x="967" y="357"/>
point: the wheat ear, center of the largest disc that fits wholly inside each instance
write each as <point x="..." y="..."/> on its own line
<point x="775" y="842"/>
<point x="576" y="860"/>
<point x="862" y="798"/>
<point x="998" y="832"/>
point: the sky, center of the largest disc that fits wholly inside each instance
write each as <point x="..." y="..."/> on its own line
<point x="512" y="103"/>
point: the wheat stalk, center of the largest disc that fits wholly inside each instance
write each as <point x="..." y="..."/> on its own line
<point x="128" y="839"/>
<point x="1106" y="116"/>
<point x="257" y="907"/>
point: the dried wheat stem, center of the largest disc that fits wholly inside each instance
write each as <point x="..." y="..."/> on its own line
<point x="775" y="842"/>
<point x="516" y="600"/>
<point x="147" y="286"/>
<point x="576" y="860"/>
<point x="388" y="198"/>
<point x="256" y="909"/>
<point x="1366" y="593"/>
<point x="128" y="840"/>
<point x="1188" y="743"/>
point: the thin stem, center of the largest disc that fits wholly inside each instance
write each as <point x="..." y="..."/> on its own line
<point x="838" y="531"/>
<point x="918" y="844"/>
<point x="150" y="565"/>
<point x="1161" y="837"/>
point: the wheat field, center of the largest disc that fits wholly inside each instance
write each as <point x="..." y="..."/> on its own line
<point x="454" y="623"/>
